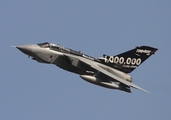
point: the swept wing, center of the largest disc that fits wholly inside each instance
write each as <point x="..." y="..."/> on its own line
<point x="98" y="66"/>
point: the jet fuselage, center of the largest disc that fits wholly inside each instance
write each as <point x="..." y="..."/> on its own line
<point x="54" y="54"/>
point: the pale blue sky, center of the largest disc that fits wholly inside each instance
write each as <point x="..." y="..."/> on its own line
<point x="35" y="91"/>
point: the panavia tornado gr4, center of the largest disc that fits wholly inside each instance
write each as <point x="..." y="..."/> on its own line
<point x="107" y="71"/>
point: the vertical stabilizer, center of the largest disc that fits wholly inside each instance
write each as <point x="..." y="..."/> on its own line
<point x="130" y="60"/>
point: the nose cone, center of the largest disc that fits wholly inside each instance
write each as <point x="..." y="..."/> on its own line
<point x="26" y="49"/>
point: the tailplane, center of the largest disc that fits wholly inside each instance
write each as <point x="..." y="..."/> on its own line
<point x="130" y="60"/>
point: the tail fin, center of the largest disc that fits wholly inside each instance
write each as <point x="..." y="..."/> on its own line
<point x="130" y="60"/>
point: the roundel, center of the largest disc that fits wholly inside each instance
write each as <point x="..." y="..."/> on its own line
<point x="51" y="56"/>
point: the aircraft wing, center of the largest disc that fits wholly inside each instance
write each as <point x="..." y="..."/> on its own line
<point x="97" y="67"/>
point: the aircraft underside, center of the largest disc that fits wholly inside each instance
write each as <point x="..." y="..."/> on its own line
<point x="89" y="74"/>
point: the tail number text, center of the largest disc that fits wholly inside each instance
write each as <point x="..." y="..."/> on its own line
<point x="122" y="60"/>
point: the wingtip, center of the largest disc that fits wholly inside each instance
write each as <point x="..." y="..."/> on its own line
<point x="139" y="88"/>
<point x="146" y="91"/>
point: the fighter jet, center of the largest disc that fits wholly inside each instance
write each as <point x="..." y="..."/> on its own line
<point x="107" y="71"/>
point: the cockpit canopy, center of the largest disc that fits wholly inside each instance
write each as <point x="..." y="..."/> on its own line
<point x="52" y="46"/>
<point x="57" y="47"/>
<point x="49" y="45"/>
<point x="44" y="45"/>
